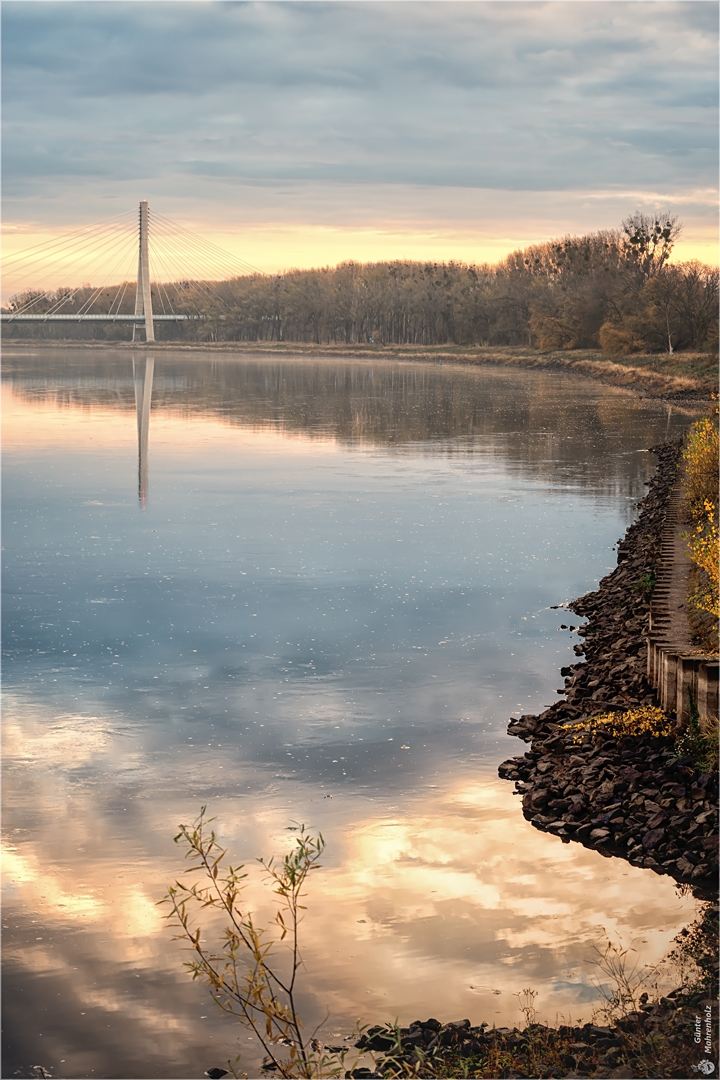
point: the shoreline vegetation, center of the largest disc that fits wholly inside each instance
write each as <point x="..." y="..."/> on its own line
<point x="680" y="378"/>
<point x="701" y="498"/>
<point x="608" y="304"/>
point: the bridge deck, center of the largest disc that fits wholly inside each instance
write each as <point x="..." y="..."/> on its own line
<point x="138" y="319"/>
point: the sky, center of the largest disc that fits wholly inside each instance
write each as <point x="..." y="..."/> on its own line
<point x="299" y="134"/>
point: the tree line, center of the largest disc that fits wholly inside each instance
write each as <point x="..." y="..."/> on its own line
<point x="613" y="289"/>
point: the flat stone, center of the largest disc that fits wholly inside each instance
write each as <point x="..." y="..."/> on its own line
<point x="652" y="838"/>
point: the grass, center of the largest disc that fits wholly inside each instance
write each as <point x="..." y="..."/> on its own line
<point x="699" y="740"/>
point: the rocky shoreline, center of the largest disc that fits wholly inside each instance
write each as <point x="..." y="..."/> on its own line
<point x="590" y="1049"/>
<point x="628" y="796"/>
<point x="627" y="1047"/>
<point x="623" y="796"/>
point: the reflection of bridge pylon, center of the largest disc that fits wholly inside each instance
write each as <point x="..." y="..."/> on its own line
<point x="143" y="394"/>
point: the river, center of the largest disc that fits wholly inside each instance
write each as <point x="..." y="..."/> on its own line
<point x="331" y="582"/>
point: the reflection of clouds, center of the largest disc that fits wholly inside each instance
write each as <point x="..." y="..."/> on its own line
<point x="454" y="889"/>
<point x="459" y="897"/>
<point x="66" y="742"/>
<point x="43" y="886"/>
<point x="492" y="894"/>
<point x="455" y="906"/>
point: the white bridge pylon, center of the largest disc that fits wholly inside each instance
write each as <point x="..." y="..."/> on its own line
<point x="193" y="269"/>
<point x="143" y="297"/>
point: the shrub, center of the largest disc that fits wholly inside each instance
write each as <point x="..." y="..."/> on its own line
<point x="701" y="500"/>
<point x="617" y="339"/>
<point x="703" y="550"/>
<point x="246" y="979"/>
<point x="643" y="720"/>
<point x="699" y="741"/>
<point x="552" y="333"/>
<point x="701" y="469"/>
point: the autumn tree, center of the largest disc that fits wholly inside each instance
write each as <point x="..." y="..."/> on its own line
<point x="648" y="241"/>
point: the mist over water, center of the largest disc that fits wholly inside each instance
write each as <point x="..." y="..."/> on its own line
<point x="300" y="590"/>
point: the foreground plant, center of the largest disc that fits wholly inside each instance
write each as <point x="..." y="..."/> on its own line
<point x="247" y="978"/>
<point x="656" y="1033"/>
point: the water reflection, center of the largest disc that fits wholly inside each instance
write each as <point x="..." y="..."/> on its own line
<point x="558" y="426"/>
<point x="339" y="589"/>
<point x="440" y="901"/>
<point x="143" y="379"/>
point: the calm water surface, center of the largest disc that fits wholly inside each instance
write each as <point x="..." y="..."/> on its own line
<point x="315" y="595"/>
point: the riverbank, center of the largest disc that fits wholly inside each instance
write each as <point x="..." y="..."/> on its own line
<point x="682" y="377"/>
<point x="630" y="1035"/>
<point x="630" y="796"/>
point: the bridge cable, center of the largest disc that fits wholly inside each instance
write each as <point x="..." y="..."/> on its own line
<point x="99" y="245"/>
<point x="101" y="250"/>
<point x="222" y="257"/>
<point x="43" y="248"/>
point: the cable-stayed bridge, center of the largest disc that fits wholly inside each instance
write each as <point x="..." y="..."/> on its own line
<point x="179" y="275"/>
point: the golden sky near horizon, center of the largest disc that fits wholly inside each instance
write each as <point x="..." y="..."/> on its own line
<point x="276" y="247"/>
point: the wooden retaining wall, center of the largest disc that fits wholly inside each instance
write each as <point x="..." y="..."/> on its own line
<point x="677" y="669"/>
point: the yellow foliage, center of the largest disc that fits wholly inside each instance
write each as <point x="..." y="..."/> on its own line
<point x="701" y="468"/>
<point x="704" y="553"/>
<point x="642" y="720"/>
<point x="701" y="487"/>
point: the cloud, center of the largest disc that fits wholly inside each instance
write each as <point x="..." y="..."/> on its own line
<point x="211" y="105"/>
